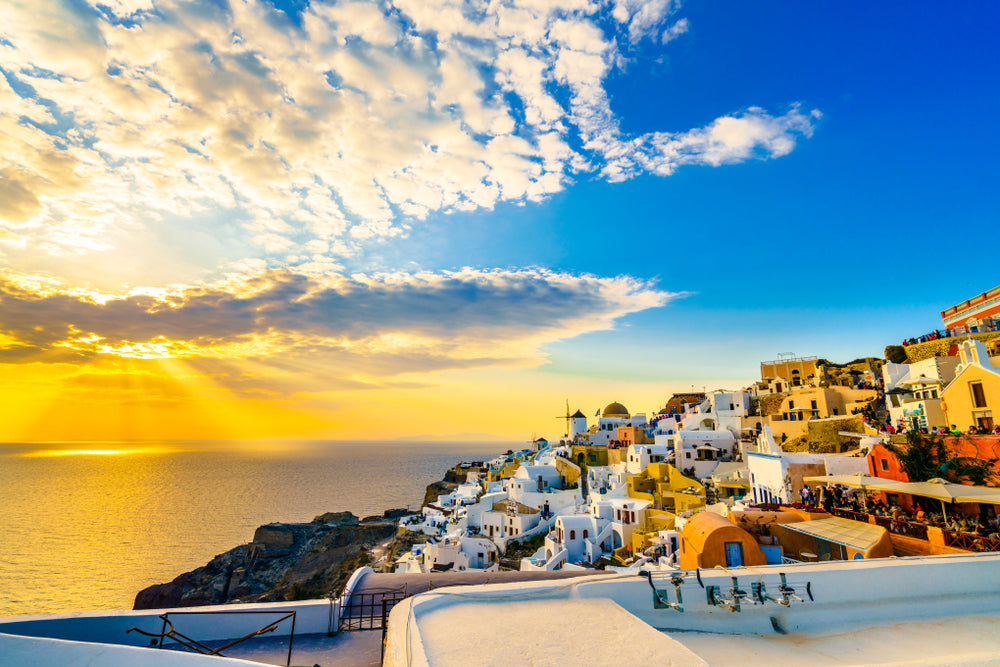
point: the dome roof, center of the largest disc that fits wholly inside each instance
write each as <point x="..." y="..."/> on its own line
<point x="615" y="410"/>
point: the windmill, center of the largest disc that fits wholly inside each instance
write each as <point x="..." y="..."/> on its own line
<point x="567" y="417"/>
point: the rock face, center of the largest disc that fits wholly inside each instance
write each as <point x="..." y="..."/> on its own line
<point x="284" y="562"/>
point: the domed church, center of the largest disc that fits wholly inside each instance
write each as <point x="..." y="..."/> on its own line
<point x="616" y="410"/>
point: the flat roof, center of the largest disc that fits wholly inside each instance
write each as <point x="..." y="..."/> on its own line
<point x="853" y="534"/>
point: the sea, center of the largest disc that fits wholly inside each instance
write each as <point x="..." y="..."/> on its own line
<point x="87" y="525"/>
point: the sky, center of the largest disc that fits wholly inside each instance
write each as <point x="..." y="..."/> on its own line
<point x="435" y="219"/>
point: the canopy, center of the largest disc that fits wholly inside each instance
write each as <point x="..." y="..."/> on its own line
<point x="853" y="534"/>
<point x="857" y="480"/>
<point x="938" y="488"/>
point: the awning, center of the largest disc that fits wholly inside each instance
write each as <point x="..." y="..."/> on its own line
<point x="709" y="448"/>
<point x="853" y="534"/>
<point x="857" y="481"/>
<point x="734" y="485"/>
<point x="936" y="488"/>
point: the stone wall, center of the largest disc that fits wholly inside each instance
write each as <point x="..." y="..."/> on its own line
<point x="940" y="347"/>
<point x="771" y="404"/>
<point x="822" y="436"/>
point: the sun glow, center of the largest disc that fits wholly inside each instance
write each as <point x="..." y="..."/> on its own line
<point x="52" y="453"/>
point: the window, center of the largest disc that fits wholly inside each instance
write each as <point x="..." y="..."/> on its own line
<point x="584" y="533"/>
<point x="885" y="464"/>
<point x="572" y="534"/>
<point x="813" y="405"/>
<point x="791" y="405"/>
<point x="836" y="412"/>
<point x="687" y="455"/>
<point x="978" y="397"/>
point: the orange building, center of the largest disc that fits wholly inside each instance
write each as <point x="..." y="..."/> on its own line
<point x="633" y="435"/>
<point x="971" y="312"/>
<point x="710" y="540"/>
<point x="678" y="403"/>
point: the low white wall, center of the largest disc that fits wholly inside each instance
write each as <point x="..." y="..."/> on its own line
<point x="846" y="595"/>
<point x="22" y="651"/>
<point x="312" y="616"/>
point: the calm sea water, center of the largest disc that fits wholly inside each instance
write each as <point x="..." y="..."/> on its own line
<point x="87" y="525"/>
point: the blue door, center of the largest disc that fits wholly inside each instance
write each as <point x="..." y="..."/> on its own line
<point x="734" y="554"/>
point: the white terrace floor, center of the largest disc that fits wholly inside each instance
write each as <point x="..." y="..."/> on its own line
<point x="359" y="648"/>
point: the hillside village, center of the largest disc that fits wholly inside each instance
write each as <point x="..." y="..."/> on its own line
<point x="814" y="461"/>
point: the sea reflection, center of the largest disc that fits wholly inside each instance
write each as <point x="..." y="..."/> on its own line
<point x="89" y="524"/>
<point x="97" y="452"/>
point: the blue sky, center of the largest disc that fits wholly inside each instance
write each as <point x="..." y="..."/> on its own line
<point x="587" y="194"/>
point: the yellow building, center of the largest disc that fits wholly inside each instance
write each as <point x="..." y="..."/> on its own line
<point x="589" y="455"/>
<point x="802" y="405"/>
<point x="973" y="397"/>
<point x="796" y="371"/>
<point x="667" y="488"/>
<point x="648" y="533"/>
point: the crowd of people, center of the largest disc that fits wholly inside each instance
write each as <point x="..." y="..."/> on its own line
<point x="835" y="496"/>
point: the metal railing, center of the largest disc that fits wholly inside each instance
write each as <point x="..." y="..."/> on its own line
<point x="849" y="514"/>
<point x="366" y="611"/>
<point x="167" y="630"/>
<point x="906" y="528"/>
<point x="970" y="541"/>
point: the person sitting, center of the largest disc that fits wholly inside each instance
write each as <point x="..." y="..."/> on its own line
<point x="921" y="516"/>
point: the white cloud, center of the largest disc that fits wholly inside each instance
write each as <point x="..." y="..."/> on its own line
<point x="348" y="128"/>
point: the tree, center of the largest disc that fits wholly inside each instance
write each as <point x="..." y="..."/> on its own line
<point x="928" y="456"/>
<point x="896" y="354"/>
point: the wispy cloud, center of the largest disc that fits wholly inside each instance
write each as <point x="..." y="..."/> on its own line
<point x="349" y="122"/>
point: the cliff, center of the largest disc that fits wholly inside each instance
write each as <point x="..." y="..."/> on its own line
<point x="294" y="561"/>
<point x="284" y="562"/>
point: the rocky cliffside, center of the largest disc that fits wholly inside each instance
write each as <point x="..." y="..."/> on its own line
<point x="284" y="562"/>
<point x="294" y="561"/>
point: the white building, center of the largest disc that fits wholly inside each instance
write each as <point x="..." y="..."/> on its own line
<point x="508" y="518"/>
<point x="913" y="391"/>
<point x="583" y="537"/>
<point x="449" y="554"/>
<point x="627" y="514"/>
<point x="611" y="418"/>
<point x="778" y="477"/>
<point x="637" y="457"/>
<point x="721" y="410"/>
<point x="702" y="450"/>
<point x="577" y="424"/>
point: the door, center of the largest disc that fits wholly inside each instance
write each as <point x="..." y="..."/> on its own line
<point x="734" y="554"/>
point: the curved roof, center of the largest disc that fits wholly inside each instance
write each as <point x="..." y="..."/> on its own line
<point x="615" y="410"/>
